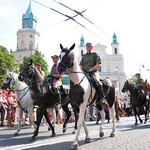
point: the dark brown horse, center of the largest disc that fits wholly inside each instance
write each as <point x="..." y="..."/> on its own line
<point x="48" y="100"/>
<point x="138" y="101"/>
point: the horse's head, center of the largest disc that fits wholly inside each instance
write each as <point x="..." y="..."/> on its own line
<point x="145" y="85"/>
<point x="66" y="59"/>
<point x="126" y="86"/>
<point x="8" y="80"/>
<point x="27" y="72"/>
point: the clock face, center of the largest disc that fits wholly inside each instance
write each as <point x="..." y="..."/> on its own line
<point x="31" y="36"/>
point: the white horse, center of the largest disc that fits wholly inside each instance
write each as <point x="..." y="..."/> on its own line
<point x="82" y="93"/>
<point x="24" y="100"/>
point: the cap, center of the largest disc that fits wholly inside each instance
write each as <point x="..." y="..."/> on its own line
<point x="137" y="74"/>
<point x="54" y="56"/>
<point x="89" y="44"/>
<point x="38" y="64"/>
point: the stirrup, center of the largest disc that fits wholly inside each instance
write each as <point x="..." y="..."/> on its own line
<point x="103" y="102"/>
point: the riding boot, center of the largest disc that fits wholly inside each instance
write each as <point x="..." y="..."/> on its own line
<point x="58" y="103"/>
<point x="58" y="98"/>
<point x="100" y="92"/>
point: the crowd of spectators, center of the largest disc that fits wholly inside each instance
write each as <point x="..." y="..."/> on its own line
<point x="9" y="111"/>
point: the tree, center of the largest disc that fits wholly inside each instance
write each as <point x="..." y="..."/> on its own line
<point x="7" y="62"/>
<point x="132" y="79"/>
<point x="36" y="59"/>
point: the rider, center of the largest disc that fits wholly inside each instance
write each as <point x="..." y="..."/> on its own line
<point x="138" y="82"/>
<point x="90" y="62"/>
<point x="39" y="68"/>
<point x="55" y="79"/>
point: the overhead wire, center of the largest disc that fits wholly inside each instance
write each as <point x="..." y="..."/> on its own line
<point x="71" y="18"/>
<point x="81" y="14"/>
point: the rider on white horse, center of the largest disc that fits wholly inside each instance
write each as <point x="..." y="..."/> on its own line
<point x="90" y="63"/>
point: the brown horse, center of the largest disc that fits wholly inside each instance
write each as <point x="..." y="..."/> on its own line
<point x="138" y="101"/>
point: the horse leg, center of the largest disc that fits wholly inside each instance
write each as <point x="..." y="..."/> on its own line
<point x="68" y="115"/>
<point x="76" y="120"/>
<point x="40" y="114"/>
<point x="114" y="118"/>
<point x="50" y="124"/>
<point x="31" y="117"/>
<point x="102" y="113"/>
<point x="80" y="123"/>
<point x="87" y="139"/>
<point x="146" y="111"/>
<point x="138" y="114"/>
<point x="19" y="121"/>
<point x="53" y="113"/>
<point x="135" y="114"/>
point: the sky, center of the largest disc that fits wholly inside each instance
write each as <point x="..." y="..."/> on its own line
<point x="129" y="19"/>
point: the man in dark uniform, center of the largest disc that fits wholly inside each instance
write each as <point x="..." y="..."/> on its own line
<point x="138" y="82"/>
<point x="90" y="62"/>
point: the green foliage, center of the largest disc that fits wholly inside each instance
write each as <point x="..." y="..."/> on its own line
<point x="132" y="79"/>
<point x="7" y="62"/>
<point x="36" y="59"/>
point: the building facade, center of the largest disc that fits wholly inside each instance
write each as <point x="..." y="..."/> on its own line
<point x="27" y="36"/>
<point x="112" y="64"/>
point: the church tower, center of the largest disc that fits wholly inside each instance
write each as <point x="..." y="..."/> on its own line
<point x="27" y="37"/>
<point x="115" y="44"/>
<point x="81" y="46"/>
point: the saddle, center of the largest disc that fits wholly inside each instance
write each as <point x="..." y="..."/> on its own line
<point x="92" y="80"/>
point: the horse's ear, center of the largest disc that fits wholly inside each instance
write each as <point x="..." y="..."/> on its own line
<point x="61" y="47"/>
<point x="72" y="47"/>
<point x="31" y="61"/>
<point x="146" y="81"/>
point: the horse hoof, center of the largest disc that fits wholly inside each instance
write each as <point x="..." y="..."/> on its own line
<point x="32" y="140"/>
<point x="101" y="134"/>
<point x="87" y="140"/>
<point x="64" y="130"/>
<point x="112" y="135"/>
<point x="16" y="134"/>
<point x="53" y="134"/>
<point x="74" y="132"/>
<point x="74" y="147"/>
<point x="49" y="128"/>
<point x="145" y="122"/>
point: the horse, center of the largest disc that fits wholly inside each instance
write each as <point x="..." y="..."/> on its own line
<point x="24" y="100"/>
<point x="82" y="93"/>
<point x="49" y="99"/>
<point x="146" y="88"/>
<point x="138" y="101"/>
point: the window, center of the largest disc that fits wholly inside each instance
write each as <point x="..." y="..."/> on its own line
<point x="30" y="45"/>
<point x="22" y="45"/>
<point x="115" y="50"/>
<point x="81" y="52"/>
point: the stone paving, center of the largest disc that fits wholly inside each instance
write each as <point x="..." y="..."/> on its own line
<point x="128" y="137"/>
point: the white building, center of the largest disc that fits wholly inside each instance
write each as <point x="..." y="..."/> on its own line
<point x="27" y="37"/>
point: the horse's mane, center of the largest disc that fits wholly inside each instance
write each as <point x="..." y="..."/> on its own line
<point x="15" y="75"/>
<point x="76" y="64"/>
